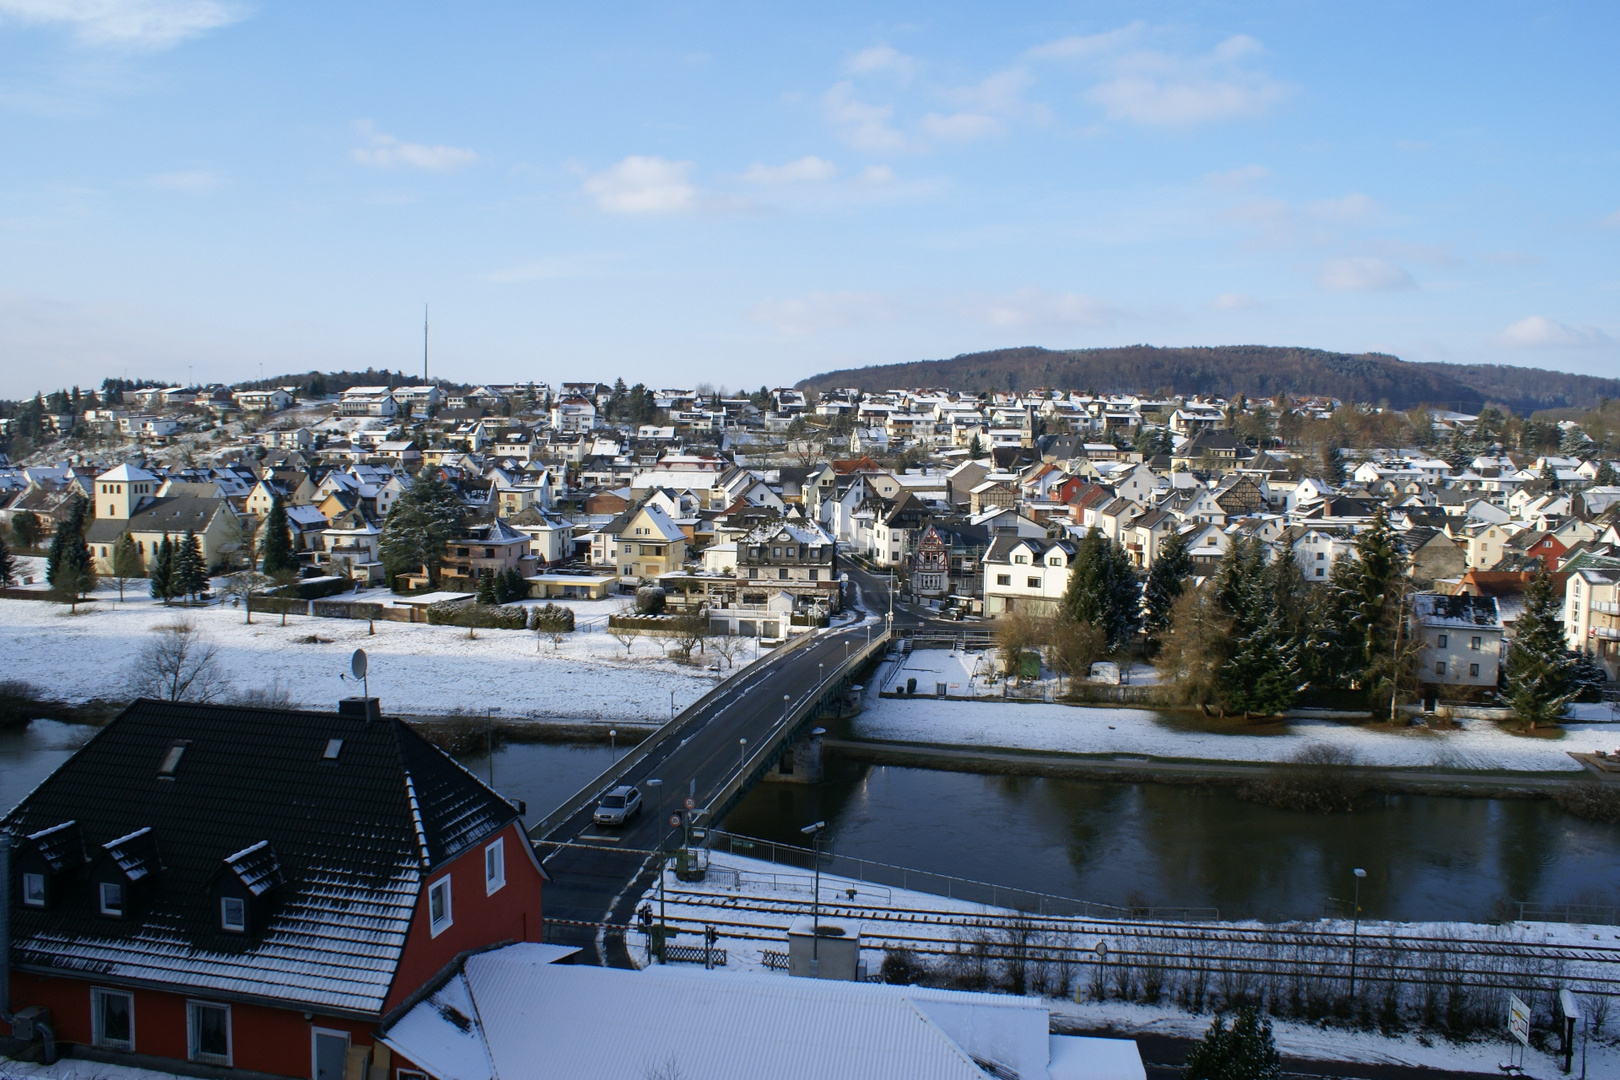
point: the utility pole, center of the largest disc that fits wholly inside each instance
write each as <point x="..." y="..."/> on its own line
<point x="1355" y="930"/>
<point x="424" y="344"/>
<point x="814" y="832"/>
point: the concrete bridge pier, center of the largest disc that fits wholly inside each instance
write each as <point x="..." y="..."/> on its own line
<point x="800" y="762"/>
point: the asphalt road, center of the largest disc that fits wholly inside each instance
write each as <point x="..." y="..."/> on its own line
<point x="601" y="880"/>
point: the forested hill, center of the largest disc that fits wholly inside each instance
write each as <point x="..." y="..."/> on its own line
<point x="1226" y="370"/>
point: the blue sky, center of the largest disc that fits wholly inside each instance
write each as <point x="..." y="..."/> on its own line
<point x="741" y="194"/>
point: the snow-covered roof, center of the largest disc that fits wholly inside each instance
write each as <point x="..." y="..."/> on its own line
<point x="125" y="473"/>
<point x="345" y="845"/>
<point x="512" y="1013"/>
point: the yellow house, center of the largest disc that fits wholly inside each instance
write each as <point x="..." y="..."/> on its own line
<point x="644" y="541"/>
<point x="124" y="502"/>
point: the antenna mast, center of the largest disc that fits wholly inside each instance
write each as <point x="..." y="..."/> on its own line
<point x="424" y="344"/>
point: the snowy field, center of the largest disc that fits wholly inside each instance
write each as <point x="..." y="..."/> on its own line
<point x="760" y="881"/>
<point x="415" y="668"/>
<point x="969" y="674"/>
<point x="1478" y="745"/>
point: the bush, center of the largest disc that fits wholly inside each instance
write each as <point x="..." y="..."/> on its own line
<point x="1318" y="780"/>
<point x="315" y="588"/>
<point x="650" y="600"/>
<point x="551" y="618"/>
<point x="1590" y="801"/>
<point x="1245" y="1051"/>
<point x="481" y="616"/>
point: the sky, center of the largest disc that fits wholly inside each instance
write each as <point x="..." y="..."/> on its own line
<point x="743" y="195"/>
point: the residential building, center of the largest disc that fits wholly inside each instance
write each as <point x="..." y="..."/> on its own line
<point x="1026" y="574"/>
<point x="1460" y="640"/>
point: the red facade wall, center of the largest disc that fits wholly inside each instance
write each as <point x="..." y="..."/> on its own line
<point x="512" y="914"/>
<point x="280" y="1041"/>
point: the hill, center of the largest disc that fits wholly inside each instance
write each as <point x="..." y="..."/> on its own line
<point x="1226" y="370"/>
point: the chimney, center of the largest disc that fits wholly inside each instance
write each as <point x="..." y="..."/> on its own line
<point x="366" y="708"/>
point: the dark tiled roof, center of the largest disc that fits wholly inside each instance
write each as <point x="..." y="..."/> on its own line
<point x="252" y="794"/>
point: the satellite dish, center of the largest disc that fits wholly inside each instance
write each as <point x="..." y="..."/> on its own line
<point x="357" y="663"/>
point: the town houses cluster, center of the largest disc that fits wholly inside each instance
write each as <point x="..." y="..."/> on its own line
<point x="752" y="507"/>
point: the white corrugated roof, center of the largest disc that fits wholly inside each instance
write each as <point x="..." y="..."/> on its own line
<point x="511" y="1014"/>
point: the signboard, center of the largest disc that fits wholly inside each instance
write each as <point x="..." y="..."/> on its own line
<point x="1518" y="1019"/>
<point x="691" y="803"/>
<point x="675" y="819"/>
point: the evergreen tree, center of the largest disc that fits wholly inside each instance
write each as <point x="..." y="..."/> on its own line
<point x="162" y="574"/>
<point x="1245" y="1051"/>
<point x="1539" y="673"/>
<point x="1263" y="670"/>
<point x="126" y="563"/>
<point x="486" y="588"/>
<point x="1332" y="468"/>
<point x="27" y="528"/>
<point x="976" y="449"/>
<point x="1605" y="476"/>
<point x="277" y="543"/>
<point x="1587" y="677"/>
<point x="1166" y="580"/>
<point x="510" y="586"/>
<point x="8" y="566"/>
<point x="190" y="575"/>
<point x="1103" y="589"/>
<point x="1573" y="442"/>
<point x="69" y="556"/>
<point x="1353" y="634"/>
<point x="423" y="521"/>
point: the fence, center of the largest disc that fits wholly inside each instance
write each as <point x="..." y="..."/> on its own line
<point x="956" y="888"/>
<point x="1583" y="914"/>
<point x="695" y="954"/>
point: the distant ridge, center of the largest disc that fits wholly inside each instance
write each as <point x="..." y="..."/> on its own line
<point x="1227" y="370"/>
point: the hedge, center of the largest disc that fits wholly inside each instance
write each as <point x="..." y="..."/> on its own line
<point x="481" y="616"/>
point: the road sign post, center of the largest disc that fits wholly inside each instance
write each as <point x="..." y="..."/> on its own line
<point x="1518" y="1022"/>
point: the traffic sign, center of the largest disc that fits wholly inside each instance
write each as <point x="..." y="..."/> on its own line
<point x="691" y="803"/>
<point x="1519" y="1019"/>
<point x="674" y="820"/>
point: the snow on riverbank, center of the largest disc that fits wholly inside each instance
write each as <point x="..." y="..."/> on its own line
<point x="415" y="668"/>
<point x="758" y="881"/>
<point x="1479" y="744"/>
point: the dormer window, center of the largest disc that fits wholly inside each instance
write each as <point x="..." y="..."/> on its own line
<point x="112" y="899"/>
<point x="233" y="914"/>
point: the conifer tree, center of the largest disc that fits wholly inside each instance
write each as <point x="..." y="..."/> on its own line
<point x="8" y="566"/>
<point x="486" y="588"/>
<point x="1245" y="1051"/>
<point x="1332" y="469"/>
<point x="162" y="573"/>
<point x="1262" y="672"/>
<point x="69" y="555"/>
<point x="1539" y="672"/>
<point x="421" y="524"/>
<point x="126" y="563"/>
<point x="1605" y="476"/>
<point x="190" y="575"/>
<point x="1103" y="589"/>
<point x="1166" y="580"/>
<point x="277" y="543"/>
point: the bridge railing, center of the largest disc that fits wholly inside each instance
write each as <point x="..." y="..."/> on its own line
<point x="732" y="788"/>
<point x="609" y="777"/>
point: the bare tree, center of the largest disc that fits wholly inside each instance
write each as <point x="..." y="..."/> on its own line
<point x="284" y="579"/>
<point x="1016" y="634"/>
<point x="1072" y="647"/>
<point x="242" y="585"/>
<point x="728" y="647"/>
<point x="178" y="663"/>
<point x="690" y="630"/>
<point x="624" y="635"/>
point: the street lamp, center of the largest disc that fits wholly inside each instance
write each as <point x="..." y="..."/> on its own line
<point x="672" y="704"/>
<point x="1355" y="929"/>
<point x="658" y="786"/>
<point x="613" y="750"/>
<point x="742" y="754"/>
<point x="814" y="833"/>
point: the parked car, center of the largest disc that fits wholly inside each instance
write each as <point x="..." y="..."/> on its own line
<point x="618" y="806"/>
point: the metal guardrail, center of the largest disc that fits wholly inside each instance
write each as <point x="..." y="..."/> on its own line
<point x="956" y="888"/>
<point x="608" y="777"/>
<point x="1587" y="914"/>
<point x="769" y="747"/>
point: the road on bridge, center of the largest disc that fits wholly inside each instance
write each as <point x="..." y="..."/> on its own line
<point x="601" y="879"/>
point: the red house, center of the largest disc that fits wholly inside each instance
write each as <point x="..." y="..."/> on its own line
<point x="255" y="889"/>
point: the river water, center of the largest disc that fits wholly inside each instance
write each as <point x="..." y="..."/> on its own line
<point x="1426" y="857"/>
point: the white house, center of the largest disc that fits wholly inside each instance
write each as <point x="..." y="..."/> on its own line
<point x="1460" y="638"/>
<point x="1026" y="574"/>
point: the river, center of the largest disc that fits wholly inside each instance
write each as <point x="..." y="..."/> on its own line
<point x="1426" y="857"/>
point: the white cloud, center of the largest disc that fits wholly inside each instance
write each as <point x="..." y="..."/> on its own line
<point x="382" y="151"/>
<point x="873" y="175"/>
<point x="1352" y="207"/>
<point x="805" y="170"/>
<point x="1037" y="307"/>
<point x="1231" y="301"/>
<point x="187" y="181"/>
<point x="1362" y="273"/>
<point x="128" y="24"/>
<point x="818" y="311"/>
<point x="644" y="185"/>
<point x="864" y="126"/>
<point x="1538" y="331"/>
<point x="1161" y="89"/>
<point x="884" y="59"/>
<point x="960" y="127"/>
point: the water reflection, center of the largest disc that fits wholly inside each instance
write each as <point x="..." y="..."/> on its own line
<point x="1427" y="857"/>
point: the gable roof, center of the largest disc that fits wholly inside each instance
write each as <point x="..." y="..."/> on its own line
<point x="352" y="837"/>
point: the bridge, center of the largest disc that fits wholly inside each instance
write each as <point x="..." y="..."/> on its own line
<point x="710" y="754"/>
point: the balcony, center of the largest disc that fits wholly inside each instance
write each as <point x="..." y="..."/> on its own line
<point x="1605" y="607"/>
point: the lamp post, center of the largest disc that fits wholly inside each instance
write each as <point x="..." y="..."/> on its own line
<point x="1355" y="929"/>
<point x="742" y="755"/>
<point x="658" y="786"/>
<point x="672" y="704"/>
<point x="814" y="833"/>
<point x="613" y="749"/>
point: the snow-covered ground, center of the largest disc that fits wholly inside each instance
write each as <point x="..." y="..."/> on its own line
<point x="972" y="673"/>
<point x="415" y="668"/>
<point x="1478" y="744"/>
<point x="759" y="881"/>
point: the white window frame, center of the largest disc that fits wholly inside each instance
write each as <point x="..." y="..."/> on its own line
<point x="30" y="897"/>
<point x="97" y="1036"/>
<point x="495" y="859"/>
<point x="439" y="926"/>
<point x="224" y="906"/>
<point x="101" y="898"/>
<point x="194" y="1054"/>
